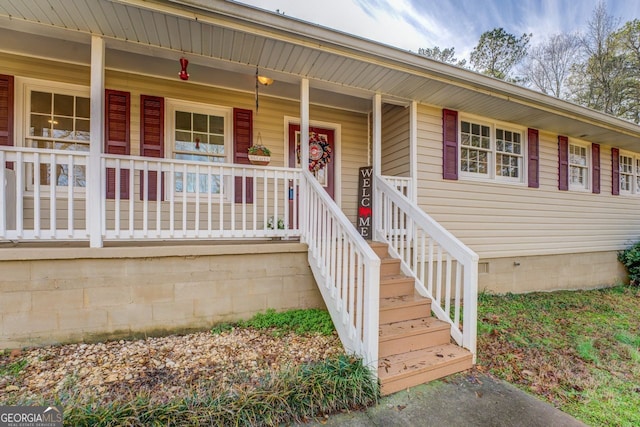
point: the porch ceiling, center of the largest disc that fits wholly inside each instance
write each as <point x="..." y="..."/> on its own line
<point x="225" y="42"/>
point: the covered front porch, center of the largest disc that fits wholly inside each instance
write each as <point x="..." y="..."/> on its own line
<point x="125" y="180"/>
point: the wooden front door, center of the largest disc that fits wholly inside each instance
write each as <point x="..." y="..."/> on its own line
<point x="319" y="139"/>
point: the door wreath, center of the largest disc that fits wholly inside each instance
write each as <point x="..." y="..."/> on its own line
<point x="319" y="151"/>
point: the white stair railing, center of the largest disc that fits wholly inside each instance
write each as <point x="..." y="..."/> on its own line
<point x="444" y="268"/>
<point x="346" y="269"/>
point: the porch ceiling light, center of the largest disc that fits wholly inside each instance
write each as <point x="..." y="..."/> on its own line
<point x="265" y="80"/>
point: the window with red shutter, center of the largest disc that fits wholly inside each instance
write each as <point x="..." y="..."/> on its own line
<point x="595" y="158"/>
<point x="6" y="112"/>
<point x="117" y="137"/>
<point x="151" y="141"/>
<point x="563" y="163"/>
<point x="615" y="171"/>
<point x="533" y="158"/>
<point x="242" y="140"/>
<point x="450" y="144"/>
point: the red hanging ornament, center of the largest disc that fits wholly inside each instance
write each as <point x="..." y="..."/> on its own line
<point x="183" y="72"/>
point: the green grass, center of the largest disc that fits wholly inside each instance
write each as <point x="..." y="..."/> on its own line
<point x="295" y="395"/>
<point x="13" y="369"/>
<point x="579" y="350"/>
<point x="302" y="322"/>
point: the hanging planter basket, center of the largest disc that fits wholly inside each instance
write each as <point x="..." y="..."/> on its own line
<point x="259" y="154"/>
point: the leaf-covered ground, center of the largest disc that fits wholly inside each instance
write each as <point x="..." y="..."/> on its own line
<point x="579" y="350"/>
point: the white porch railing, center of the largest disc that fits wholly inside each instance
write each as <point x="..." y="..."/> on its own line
<point x="444" y="268"/>
<point x="347" y="272"/>
<point x="400" y="183"/>
<point x="44" y="197"/>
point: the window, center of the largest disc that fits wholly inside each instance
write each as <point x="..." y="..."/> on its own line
<point x="200" y="133"/>
<point x="491" y="152"/>
<point x="578" y="167"/>
<point x="58" y="119"/>
<point x="629" y="173"/>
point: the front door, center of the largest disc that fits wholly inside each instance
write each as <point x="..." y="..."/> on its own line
<point x="321" y="154"/>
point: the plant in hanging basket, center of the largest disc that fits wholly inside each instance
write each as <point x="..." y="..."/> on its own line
<point x="259" y="155"/>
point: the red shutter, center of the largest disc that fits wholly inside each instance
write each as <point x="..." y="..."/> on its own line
<point x="6" y="112"/>
<point x="242" y="140"/>
<point x="563" y="163"/>
<point x="595" y="156"/>
<point x="534" y="158"/>
<point x="117" y="121"/>
<point x="450" y="144"/>
<point x="151" y="140"/>
<point x="615" y="171"/>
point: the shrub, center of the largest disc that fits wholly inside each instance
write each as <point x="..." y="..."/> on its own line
<point x="630" y="258"/>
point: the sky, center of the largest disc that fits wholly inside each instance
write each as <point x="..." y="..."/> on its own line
<point x="414" y="24"/>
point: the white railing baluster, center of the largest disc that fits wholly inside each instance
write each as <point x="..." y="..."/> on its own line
<point x="209" y="204"/>
<point x="458" y="296"/>
<point x="197" y="202"/>
<point x="117" y="199"/>
<point x="131" y="197"/>
<point x="20" y="171"/>
<point x="52" y="198"/>
<point x="244" y="201"/>
<point x="36" y="193"/>
<point x="159" y="195"/>
<point x="447" y="295"/>
<point x="145" y="200"/>
<point x="185" y="190"/>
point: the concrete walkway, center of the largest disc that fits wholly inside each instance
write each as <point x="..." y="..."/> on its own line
<point x="463" y="400"/>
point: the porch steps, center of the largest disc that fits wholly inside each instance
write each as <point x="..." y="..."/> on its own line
<point x="414" y="347"/>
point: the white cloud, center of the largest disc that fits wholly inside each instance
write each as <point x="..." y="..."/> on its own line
<point x="412" y="24"/>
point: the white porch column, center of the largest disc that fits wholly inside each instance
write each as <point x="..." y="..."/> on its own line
<point x="377" y="135"/>
<point x="94" y="172"/>
<point x="413" y="150"/>
<point x="377" y="162"/>
<point x="304" y="153"/>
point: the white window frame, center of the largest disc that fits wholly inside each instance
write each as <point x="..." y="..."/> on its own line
<point x="173" y="105"/>
<point x="588" y="167"/>
<point x="633" y="173"/>
<point x="23" y="108"/>
<point x="491" y="175"/>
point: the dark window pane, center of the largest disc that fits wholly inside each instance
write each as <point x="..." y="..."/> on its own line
<point x="40" y="102"/>
<point x="63" y="105"/>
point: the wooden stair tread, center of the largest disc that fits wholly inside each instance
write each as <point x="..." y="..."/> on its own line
<point x="407" y="364"/>
<point x="395" y="278"/>
<point x="390" y="331"/>
<point x="404" y="300"/>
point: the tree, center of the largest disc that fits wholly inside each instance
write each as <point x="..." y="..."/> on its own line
<point x="629" y="40"/>
<point x="601" y="80"/>
<point x="498" y="52"/>
<point x="548" y="65"/>
<point x="445" y="55"/>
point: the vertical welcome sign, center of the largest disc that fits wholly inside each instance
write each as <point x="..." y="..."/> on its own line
<point x="365" y="202"/>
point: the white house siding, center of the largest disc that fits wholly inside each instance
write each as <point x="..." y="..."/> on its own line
<point x="506" y="222"/>
<point x="395" y="140"/>
<point x="269" y="121"/>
